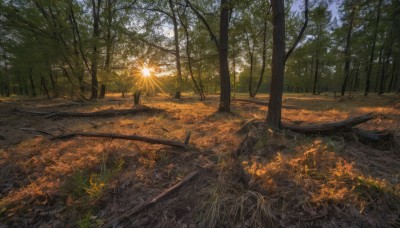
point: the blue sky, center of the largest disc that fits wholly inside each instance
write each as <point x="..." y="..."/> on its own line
<point x="333" y="7"/>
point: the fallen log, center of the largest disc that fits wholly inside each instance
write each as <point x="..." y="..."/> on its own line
<point x="102" y="113"/>
<point x="150" y="202"/>
<point x="266" y="103"/>
<point x="126" y="137"/>
<point x="329" y="127"/>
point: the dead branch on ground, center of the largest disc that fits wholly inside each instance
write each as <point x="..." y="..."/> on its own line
<point x="102" y="113"/>
<point x="152" y="201"/>
<point x="325" y="128"/>
<point x="172" y="143"/>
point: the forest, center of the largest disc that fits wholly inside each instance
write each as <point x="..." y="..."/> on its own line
<point x="200" y="113"/>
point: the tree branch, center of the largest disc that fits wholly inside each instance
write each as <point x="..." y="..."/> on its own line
<point x="301" y="32"/>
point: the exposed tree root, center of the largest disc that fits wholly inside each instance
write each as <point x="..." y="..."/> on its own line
<point x="152" y="201"/>
<point x="343" y="128"/>
<point x="127" y="137"/>
<point x="103" y="113"/>
<point x="324" y="128"/>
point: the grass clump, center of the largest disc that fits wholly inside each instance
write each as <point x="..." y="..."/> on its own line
<point x="85" y="188"/>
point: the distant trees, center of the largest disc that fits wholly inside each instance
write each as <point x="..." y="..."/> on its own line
<point x="80" y="48"/>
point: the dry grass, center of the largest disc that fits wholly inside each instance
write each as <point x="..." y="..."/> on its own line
<point x="87" y="181"/>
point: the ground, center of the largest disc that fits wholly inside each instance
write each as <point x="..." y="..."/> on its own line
<point x="285" y="179"/>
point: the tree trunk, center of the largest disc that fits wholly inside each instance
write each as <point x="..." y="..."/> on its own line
<point x="196" y="86"/>
<point x="316" y="75"/>
<point x="6" y="77"/>
<point x="347" y="51"/>
<point x="95" y="55"/>
<point x="44" y="85"/>
<point x="378" y="75"/>
<point x="382" y="81"/>
<point x="278" y="64"/>
<point x="250" y="51"/>
<point x="102" y="91"/>
<point x="264" y="58"/>
<point x="179" y="81"/>
<point x="371" y="59"/>
<point x="31" y="82"/>
<point x="225" y="98"/>
<point x="393" y="75"/>
<point x="136" y="97"/>
<point x="234" y="69"/>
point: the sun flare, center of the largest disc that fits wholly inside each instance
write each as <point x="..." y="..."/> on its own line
<point x="146" y="72"/>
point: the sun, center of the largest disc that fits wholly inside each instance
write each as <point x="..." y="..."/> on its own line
<point x="146" y="72"/>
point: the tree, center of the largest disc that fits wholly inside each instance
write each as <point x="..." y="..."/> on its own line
<point x="371" y="59"/>
<point x="278" y="64"/>
<point x="279" y="58"/>
<point x="225" y="98"/>
<point x="222" y="47"/>
<point x="179" y="81"/>
<point x="347" y="48"/>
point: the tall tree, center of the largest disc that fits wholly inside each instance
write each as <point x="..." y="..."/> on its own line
<point x="96" y="6"/>
<point x="278" y="64"/>
<point x="225" y="98"/>
<point x="222" y="47"/>
<point x="347" y="48"/>
<point x="179" y="81"/>
<point x="279" y="58"/>
<point x="371" y="58"/>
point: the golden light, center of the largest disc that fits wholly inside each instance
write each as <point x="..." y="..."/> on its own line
<point x="146" y="72"/>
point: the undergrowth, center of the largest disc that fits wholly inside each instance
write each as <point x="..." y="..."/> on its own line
<point x="303" y="181"/>
<point x="85" y="188"/>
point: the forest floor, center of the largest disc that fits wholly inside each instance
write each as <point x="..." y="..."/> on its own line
<point x="286" y="180"/>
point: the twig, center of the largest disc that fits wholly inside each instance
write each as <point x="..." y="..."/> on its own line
<point x="187" y="139"/>
<point x="152" y="201"/>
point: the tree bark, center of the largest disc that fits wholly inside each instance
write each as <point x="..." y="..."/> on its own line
<point x="102" y="91"/>
<point x="278" y="64"/>
<point x="316" y="75"/>
<point x="225" y="98"/>
<point x="95" y="55"/>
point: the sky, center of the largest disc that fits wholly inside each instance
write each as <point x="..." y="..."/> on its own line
<point x="333" y="7"/>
